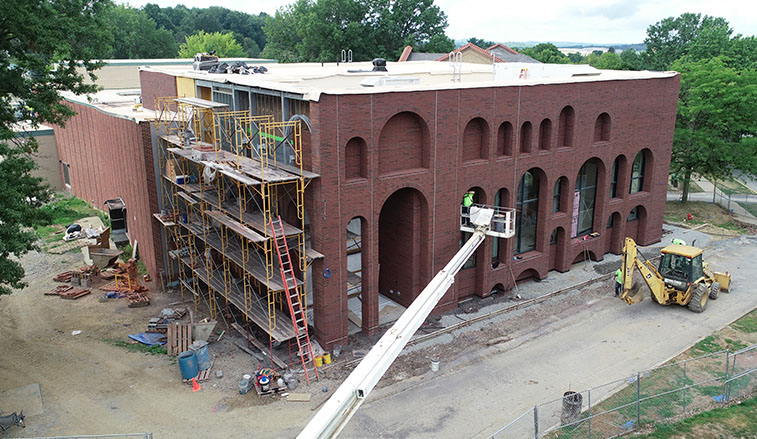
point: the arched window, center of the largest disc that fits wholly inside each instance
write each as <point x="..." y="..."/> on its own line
<point x="527" y="213"/>
<point x="586" y="188"/>
<point x="559" y="195"/>
<point x="403" y="144"/>
<point x="525" y="138"/>
<point x="505" y="139"/>
<point x="355" y="159"/>
<point x="602" y="128"/>
<point x="637" y="173"/>
<point x="545" y="134"/>
<point x="614" y="178"/>
<point x="476" y="140"/>
<point x="565" y="128"/>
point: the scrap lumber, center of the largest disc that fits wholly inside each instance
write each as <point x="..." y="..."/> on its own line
<point x="257" y="344"/>
<point x="63" y="277"/>
<point x="74" y="293"/>
<point x="179" y="336"/>
<point x="57" y="291"/>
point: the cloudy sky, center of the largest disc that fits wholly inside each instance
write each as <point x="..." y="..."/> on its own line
<point x="587" y="21"/>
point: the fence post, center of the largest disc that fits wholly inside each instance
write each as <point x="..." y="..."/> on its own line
<point x="638" y="399"/>
<point x="726" y="388"/>
<point x="714" y="190"/>
<point x="684" y="386"/>
<point x="536" y="422"/>
<point x="589" y="411"/>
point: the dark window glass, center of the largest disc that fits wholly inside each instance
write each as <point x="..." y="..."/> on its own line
<point x="527" y="212"/>
<point x="637" y="173"/>
<point x="586" y="186"/>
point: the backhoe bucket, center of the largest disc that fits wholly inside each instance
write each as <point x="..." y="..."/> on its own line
<point x="634" y="294"/>
<point x="724" y="279"/>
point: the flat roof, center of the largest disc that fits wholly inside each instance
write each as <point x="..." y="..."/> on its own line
<point x="312" y="79"/>
<point x="178" y="61"/>
<point x="119" y="103"/>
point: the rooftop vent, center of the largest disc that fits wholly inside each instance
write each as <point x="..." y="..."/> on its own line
<point x="379" y="65"/>
<point x="380" y="81"/>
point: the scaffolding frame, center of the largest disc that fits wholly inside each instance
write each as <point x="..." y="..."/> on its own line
<point x="223" y="184"/>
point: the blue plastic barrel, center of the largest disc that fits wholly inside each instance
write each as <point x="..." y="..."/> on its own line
<point x="188" y="365"/>
<point x="200" y="348"/>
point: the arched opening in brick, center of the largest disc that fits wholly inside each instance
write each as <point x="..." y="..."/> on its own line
<point x="584" y="256"/>
<point x="636" y="224"/>
<point x="355" y="159"/>
<point x="528" y="274"/>
<point x="403" y="143"/>
<point x="525" y="138"/>
<point x="641" y="172"/>
<point x="403" y="249"/>
<point x="557" y="244"/>
<point x="476" y="140"/>
<point x="545" y="134"/>
<point x="498" y="288"/>
<point x="566" y="127"/>
<point x="618" y="176"/>
<point x="585" y="194"/>
<point x="560" y="195"/>
<point x="602" y="128"/>
<point x="527" y="211"/>
<point x="499" y="245"/>
<point x="505" y="139"/>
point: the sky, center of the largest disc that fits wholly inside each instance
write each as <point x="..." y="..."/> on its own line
<point x="581" y="21"/>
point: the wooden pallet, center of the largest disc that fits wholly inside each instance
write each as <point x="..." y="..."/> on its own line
<point x="60" y="289"/>
<point x="63" y="277"/>
<point x="204" y="375"/>
<point x="74" y="293"/>
<point x="179" y="336"/>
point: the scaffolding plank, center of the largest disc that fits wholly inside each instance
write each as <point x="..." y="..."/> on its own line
<point x="238" y="177"/>
<point x="296" y="171"/>
<point x="254" y="168"/>
<point x="187" y="198"/>
<point x="165" y="223"/>
<point x="253" y="220"/>
<point x="202" y="103"/>
<point x="236" y="226"/>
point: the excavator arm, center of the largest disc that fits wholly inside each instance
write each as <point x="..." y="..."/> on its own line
<point x="632" y="292"/>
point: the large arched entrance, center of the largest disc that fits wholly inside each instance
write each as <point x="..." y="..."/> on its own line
<point x="403" y="249"/>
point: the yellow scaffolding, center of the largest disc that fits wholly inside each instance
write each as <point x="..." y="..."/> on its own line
<point x="237" y="172"/>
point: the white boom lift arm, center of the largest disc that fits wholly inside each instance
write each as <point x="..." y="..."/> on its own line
<point x="329" y="421"/>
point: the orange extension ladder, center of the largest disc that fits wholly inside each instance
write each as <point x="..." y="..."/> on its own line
<point x="304" y="348"/>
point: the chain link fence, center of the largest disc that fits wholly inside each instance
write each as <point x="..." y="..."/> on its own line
<point x="652" y="396"/>
<point x="728" y="200"/>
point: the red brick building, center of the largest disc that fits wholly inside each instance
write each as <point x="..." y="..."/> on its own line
<point x="578" y="151"/>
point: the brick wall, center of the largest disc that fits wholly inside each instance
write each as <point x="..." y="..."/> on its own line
<point x="437" y="164"/>
<point x="111" y="157"/>
<point x="156" y="85"/>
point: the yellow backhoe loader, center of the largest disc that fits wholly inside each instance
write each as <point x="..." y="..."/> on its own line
<point x="681" y="277"/>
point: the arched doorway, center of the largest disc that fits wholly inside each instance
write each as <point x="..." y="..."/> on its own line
<point x="403" y="249"/>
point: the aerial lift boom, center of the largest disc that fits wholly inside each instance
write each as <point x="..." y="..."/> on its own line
<point x="334" y="415"/>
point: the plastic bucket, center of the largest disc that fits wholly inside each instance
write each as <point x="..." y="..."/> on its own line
<point x="318" y="361"/>
<point x="326" y="358"/>
<point x="203" y="357"/>
<point x="188" y="365"/>
<point x="434" y="365"/>
<point x="264" y="382"/>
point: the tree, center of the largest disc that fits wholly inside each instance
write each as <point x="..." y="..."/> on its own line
<point x="318" y="30"/>
<point x="135" y="35"/>
<point x="607" y="61"/>
<point x="716" y="124"/>
<point x="689" y="34"/>
<point x="438" y="43"/>
<point x="484" y="44"/>
<point x="546" y="53"/>
<point x="224" y="44"/>
<point x="43" y="44"/>
<point x="576" y="58"/>
<point x="632" y="60"/>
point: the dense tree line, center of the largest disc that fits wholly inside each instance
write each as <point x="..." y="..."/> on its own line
<point x="155" y="32"/>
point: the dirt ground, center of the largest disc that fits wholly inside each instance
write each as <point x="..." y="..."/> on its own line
<point x="91" y="386"/>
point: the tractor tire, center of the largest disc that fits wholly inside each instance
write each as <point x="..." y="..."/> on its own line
<point x="699" y="298"/>
<point x="714" y="291"/>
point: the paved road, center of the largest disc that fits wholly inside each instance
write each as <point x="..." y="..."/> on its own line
<point x="599" y="343"/>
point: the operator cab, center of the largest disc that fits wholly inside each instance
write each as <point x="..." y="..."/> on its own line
<point x="680" y="266"/>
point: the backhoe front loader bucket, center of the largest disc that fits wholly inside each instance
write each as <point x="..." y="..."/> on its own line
<point x="724" y="279"/>
<point x="633" y="294"/>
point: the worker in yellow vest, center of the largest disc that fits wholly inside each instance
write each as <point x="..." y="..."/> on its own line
<point x="467" y="203"/>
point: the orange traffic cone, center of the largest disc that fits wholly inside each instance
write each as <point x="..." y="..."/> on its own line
<point x="195" y="385"/>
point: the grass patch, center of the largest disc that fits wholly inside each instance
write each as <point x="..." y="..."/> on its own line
<point x="64" y="210"/>
<point x="707" y="345"/>
<point x="138" y="347"/>
<point x="751" y="208"/>
<point x="702" y="213"/>
<point x="737" y="421"/>
<point x="732" y="186"/>
<point x="746" y="324"/>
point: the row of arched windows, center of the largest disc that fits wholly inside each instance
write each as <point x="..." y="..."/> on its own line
<point x="404" y="141"/>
